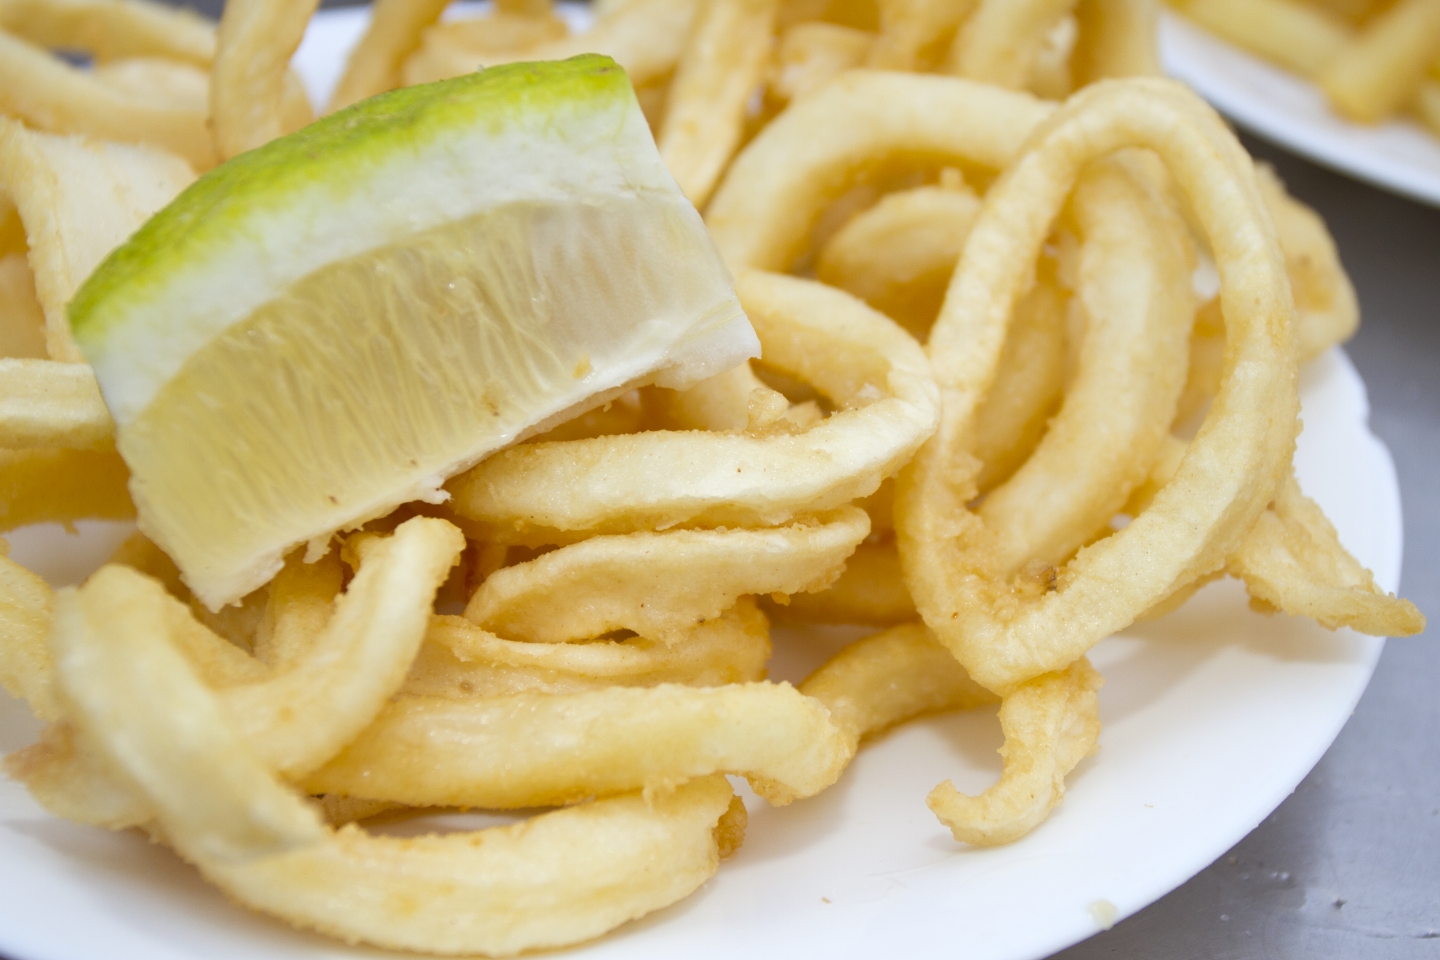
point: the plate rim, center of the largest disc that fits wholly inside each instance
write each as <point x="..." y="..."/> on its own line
<point x="1294" y="133"/>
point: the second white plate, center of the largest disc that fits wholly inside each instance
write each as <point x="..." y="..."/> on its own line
<point x="1400" y="155"/>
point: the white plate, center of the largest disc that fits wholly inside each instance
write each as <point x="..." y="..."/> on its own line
<point x="1399" y="155"/>
<point x="1212" y="716"/>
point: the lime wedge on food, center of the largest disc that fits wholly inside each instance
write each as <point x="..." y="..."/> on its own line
<point x="333" y="324"/>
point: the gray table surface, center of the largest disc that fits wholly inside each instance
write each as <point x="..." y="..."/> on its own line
<point x="1348" y="868"/>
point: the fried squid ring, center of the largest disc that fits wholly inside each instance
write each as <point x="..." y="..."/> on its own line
<point x="451" y="44"/>
<point x="531" y="749"/>
<point x="1292" y="560"/>
<point x="1135" y="289"/>
<point x="77" y="200"/>
<point x="498" y="891"/>
<point x="1115" y="38"/>
<point x="810" y="54"/>
<point x="914" y="32"/>
<point x="1232" y="470"/>
<point x="295" y="719"/>
<point x="251" y="80"/>
<point x="890" y="677"/>
<point x="1325" y="300"/>
<point x="898" y="255"/>
<point x="871" y="590"/>
<point x="891" y="254"/>
<point x="49" y="404"/>
<point x="113" y="29"/>
<point x="998" y="43"/>
<point x="462" y="661"/>
<point x="22" y="322"/>
<point x="564" y="735"/>
<point x="1051" y="723"/>
<point x="298" y="718"/>
<point x="299" y="604"/>
<point x="26" y="606"/>
<point x="721" y="67"/>
<point x="867" y="366"/>
<point x="765" y="211"/>
<point x="392" y="35"/>
<point x="646" y="37"/>
<point x="1134" y="283"/>
<point x="50" y="94"/>
<point x="660" y="585"/>
<point x="61" y="486"/>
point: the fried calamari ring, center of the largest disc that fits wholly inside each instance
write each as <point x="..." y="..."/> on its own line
<point x="448" y="43"/>
<point x="1293" y="561"/>
<point x="298" y="718"/>
<point x="565" y="735"/>
<point x="764" y="212"/>
<point x="61" y="486"/>
<point x="1134" y="284"/>
<point x="1029" y="382"/>
<point x="999" y="41"/>
<point x="47" y="93"/>
<point x="898" y="255"/>
<point x="1329" y="312"/>
<point x="22" y="322"/>
<point x="1116" y="38"/>
<point x="462" y="661"/>
<point x="78" y="200"/>
<point x="722" y="65"/>
<point x="868" y="367"/>
<point x="49" y="404"/>
<point x="299" y="604"/>
<point x="811" y="54"/>
<point x="1326" y="307"/>
<point x="1135" y="290"/>
<point x="293" y="719"/>
<point x="660" y="585"/>
<point x="914" y="32"/>
<point x="1051" y="723"/>
<point x="871" y="590"/>
<point x="538" y="749"/>
<point x="646" y="37"/>
<point x="392" y="35"/>
<point x="1378" y="72"/>
<point x="890" y="677"/>
<point x="1230" y="473"/>
<point x="26" y="605"/>
<point x="250" y="80"/>
<point x="113" y="29"/>
<point x="498" y="891"/>
<point x="1031" y="377"/>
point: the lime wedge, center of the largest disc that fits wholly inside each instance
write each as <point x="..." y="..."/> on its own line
<point x="333" y="324"/>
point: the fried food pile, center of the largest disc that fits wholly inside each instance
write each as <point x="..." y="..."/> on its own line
<point x="1373" y="59"/>
<point x="998" y="416"/>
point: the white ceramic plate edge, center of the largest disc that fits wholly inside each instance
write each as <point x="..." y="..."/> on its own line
<point x="1399" y="155"/>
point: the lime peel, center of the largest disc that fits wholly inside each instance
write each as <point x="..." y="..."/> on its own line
<point x="367" y="177"/>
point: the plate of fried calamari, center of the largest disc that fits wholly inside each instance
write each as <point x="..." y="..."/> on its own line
<point x="1352" y="85"/>
<point x="670" y="478"/>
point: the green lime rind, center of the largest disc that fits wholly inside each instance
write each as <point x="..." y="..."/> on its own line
<point x="337" y="154"/>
